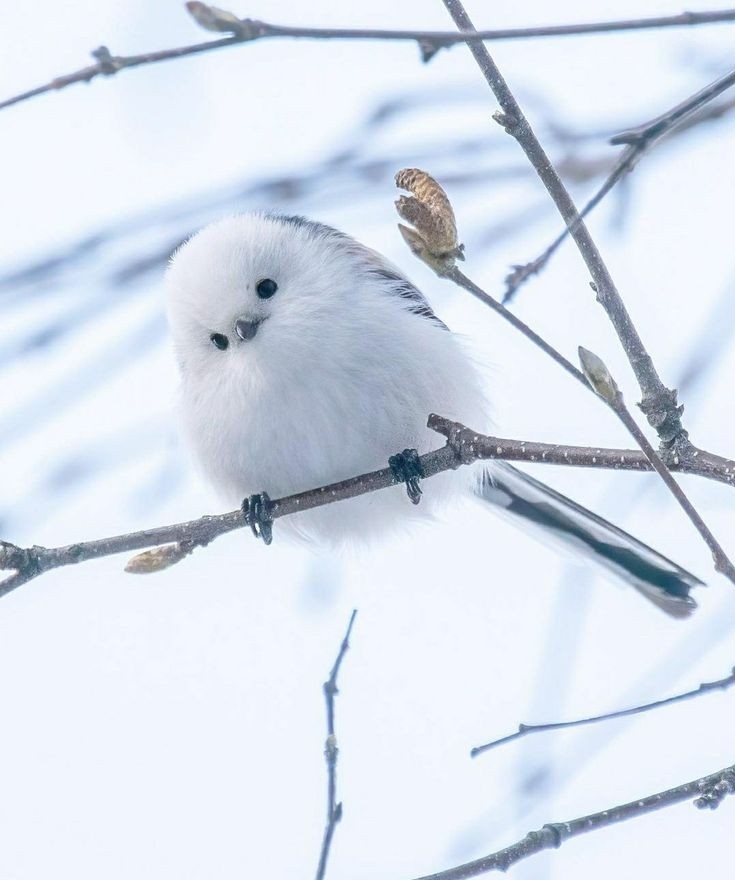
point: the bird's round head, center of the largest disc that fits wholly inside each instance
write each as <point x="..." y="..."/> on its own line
<point x="305" y="356"/>
<point x="254" y="287"/>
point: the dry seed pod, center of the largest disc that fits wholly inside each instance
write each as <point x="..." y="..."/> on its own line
<point x="213" y="19"/>
<point x="158" y="558"/>
<point x="433" y="237"/>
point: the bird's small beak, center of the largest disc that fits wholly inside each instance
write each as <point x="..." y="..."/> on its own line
<point x="247" y="328"/>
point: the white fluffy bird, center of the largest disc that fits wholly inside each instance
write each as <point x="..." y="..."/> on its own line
<point x="307" y="358"/>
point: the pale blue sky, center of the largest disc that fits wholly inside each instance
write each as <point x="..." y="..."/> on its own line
<point x="172" y="726"/>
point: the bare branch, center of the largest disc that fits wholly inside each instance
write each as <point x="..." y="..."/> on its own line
<point x="423" y="243"/>
<point x="659" y="402"/>
<point x="658" y="127"/>
<point x="247" y="30"/>
<point x="459" y="278"/>
<point x="707" y="792"/>
<point x="705" y="463"/>
<point x="485" y="447"/>
<point x="525" y="729"/>
<point x="464" y="446"/>
<point x="605" y="386"/>
<point x="31" y="562"/>
<point x="331" y="753"/>
<point x="638" y="141"/>
<point x="434" y="241"/>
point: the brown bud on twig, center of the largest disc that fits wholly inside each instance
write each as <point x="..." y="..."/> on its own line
<point x="433" y="237"/>
<point x="158" y="558"/>
<point x="598" y="375"/>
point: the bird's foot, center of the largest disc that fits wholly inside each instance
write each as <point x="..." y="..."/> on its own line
<point x="406" y="468"/>
<point x="256" y="510"/>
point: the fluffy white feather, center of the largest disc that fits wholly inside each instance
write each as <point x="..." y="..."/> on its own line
<point x="340" y="375"/>
<point x="335" y="372"/>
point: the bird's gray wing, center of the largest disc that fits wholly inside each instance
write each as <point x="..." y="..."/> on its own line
<point x="371" y="263"/>
<point x="401" y="286"/>
<point x="657" y="578"/>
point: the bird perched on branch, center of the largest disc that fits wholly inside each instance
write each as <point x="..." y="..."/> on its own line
<point x="307" y="358"/>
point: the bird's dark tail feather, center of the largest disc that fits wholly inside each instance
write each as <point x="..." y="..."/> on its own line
<point x="657" y="578"/>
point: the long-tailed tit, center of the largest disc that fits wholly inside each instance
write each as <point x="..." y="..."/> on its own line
<point x="307" y="358"/>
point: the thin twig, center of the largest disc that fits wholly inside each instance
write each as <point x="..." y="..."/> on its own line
<point x="707" y="792"/>
<point x="331" y="753"/>
<point x="522" y="272"/>
<point x="444" y="264"/>
<point x="656" y="128"/>
<point x="455" y="274"/>
<point x="526" y="729"/>
<point x="659" y="402"/>
<point x="603" y="383"/>
<point x="464" y="446"/>
<point x="249" y="30"/>
<point x="470" y="443"/>
<point x="720" y="558"/>
<point x="30" y="562"/>
<point x="638" y="141"/>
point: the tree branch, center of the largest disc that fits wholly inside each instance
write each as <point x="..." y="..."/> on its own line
<point x="430" y="211"/>
<point x="638" y="141"/>
<point x="658" y="127"/>
<point x="707" y="792"/>
<point x="248" y="30"/>
<point x="526" y="729"/>
<point x="659" y="402"/>
<point x="173" y="543"/>
<point x="455" y="274"/>
<point x="331" y="752"/>
<point x="31" y="562"/>
<point x="486" y="447"/>
<point x="605" y="386"/>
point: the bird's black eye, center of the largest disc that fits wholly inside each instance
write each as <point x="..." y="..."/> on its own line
<point x="220" y="341"/>
<point x="266" y="288"/>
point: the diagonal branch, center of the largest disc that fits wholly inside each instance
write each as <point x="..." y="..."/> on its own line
<point x="175" y="542"/>
<point x="331" y="752"/>
<point x="247" y="30"/>
<point x="525" y="729"/>
<point x="605" y="386"/>
<point x="638" y="141"/>
<point x="658" y="127"/>
<point x="659" y="402"/>
<point x="707" y="793"/>
<point x="441" y="254"/>
<point x="455" y="274"/>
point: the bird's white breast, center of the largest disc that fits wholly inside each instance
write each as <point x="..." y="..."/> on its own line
<point x="331" y="409"/>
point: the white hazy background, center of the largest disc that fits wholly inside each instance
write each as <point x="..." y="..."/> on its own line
<point x="173" y="726"/>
